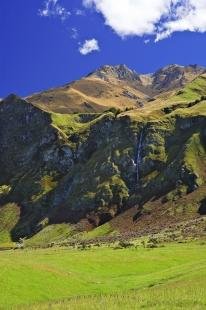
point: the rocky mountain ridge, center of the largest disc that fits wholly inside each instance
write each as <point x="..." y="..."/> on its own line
<point x="115" y="86"/>
<point x="119" y="72"/>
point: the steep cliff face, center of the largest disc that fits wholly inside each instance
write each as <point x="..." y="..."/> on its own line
<point x="58" y="168"/>
<point x="63" y="168"/>
<point x="32" y="155"/>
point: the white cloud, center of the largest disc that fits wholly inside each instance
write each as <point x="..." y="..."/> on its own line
<point x="189" y="16"/>
<point x="159" y="18"/>
<point x="52" y="8"/>
<point x="89" y="46"/>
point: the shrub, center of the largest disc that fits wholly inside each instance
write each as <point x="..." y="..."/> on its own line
<point x="124" y="244"/>
<point x="152" y="243"/>
<point x="114" y="110"/>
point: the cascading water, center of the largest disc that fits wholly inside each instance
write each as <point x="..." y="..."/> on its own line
<point x="138" y="156"/>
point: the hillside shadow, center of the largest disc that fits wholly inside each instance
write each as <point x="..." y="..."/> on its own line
<point x="202" y="208"/>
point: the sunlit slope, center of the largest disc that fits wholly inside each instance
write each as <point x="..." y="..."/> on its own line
<point x="88" y="95"/>
<point x="32" y="278"/>
<point x="116" y="86"/>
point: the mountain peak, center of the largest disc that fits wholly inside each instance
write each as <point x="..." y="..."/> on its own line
<point x="119" y="72"/>
<point x="13" y="98"/>
<point x="193" y="68"/>
<point x="174" y="76"/>
<point x="115" y="86"/>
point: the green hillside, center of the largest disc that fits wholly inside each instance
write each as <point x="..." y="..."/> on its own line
<point x="67" y="174"/>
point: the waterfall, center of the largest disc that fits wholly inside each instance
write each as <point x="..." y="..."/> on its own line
<point x="138" y="156"/>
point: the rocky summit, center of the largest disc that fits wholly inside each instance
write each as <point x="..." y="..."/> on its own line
<point x="115" y="147"/>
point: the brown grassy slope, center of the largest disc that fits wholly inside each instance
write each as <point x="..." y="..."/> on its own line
<point x="168" y="221"/>
<point x="88" y="95"/>
<point x="158" y="215"/>
<point x="117" y="87"/>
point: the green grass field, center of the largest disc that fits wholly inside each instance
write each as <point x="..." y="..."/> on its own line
<point x="169" y="277"/>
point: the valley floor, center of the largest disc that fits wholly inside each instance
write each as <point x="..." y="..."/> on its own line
<point x="168" y="277"/>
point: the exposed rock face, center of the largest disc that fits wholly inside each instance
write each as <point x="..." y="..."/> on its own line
<point x="169" y="77"/>
<point x="30" y="149"/>
<point x="63" y="168"/>
<point x="24" y="132"/>
<point x="174" y="76"/>
<point x="120" y="72"/>
<point x="27" y="139"/>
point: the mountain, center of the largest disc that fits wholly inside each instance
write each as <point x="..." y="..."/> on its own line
<point x="114" y="86"/>
<point x="99" y="91"/>
<point x="117" y="73"/>
<point x="137" y="168"/>
<point x="174" y="76"/>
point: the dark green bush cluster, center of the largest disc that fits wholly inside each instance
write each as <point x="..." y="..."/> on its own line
<point x="124" y="244"/>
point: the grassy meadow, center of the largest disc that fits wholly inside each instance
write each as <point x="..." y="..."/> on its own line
<point x="168" y="277"/>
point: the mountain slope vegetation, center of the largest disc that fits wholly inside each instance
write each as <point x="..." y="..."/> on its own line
<point x="141" y="147"/>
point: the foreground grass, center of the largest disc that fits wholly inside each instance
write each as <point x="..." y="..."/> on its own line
<point x="163" y="278"/>
<point x="189" y="292"/>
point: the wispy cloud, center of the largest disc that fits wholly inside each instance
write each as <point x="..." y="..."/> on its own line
<point x="80" y="12"/>
<point x="74" y="33"/>
<point x="52" y="8"/>
<point x="89" y="46"/>
<point x="158" y="18"/>
<point x="146" y="41"/>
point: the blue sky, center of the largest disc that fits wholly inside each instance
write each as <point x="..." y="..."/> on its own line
<point x="41" y="44"/>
